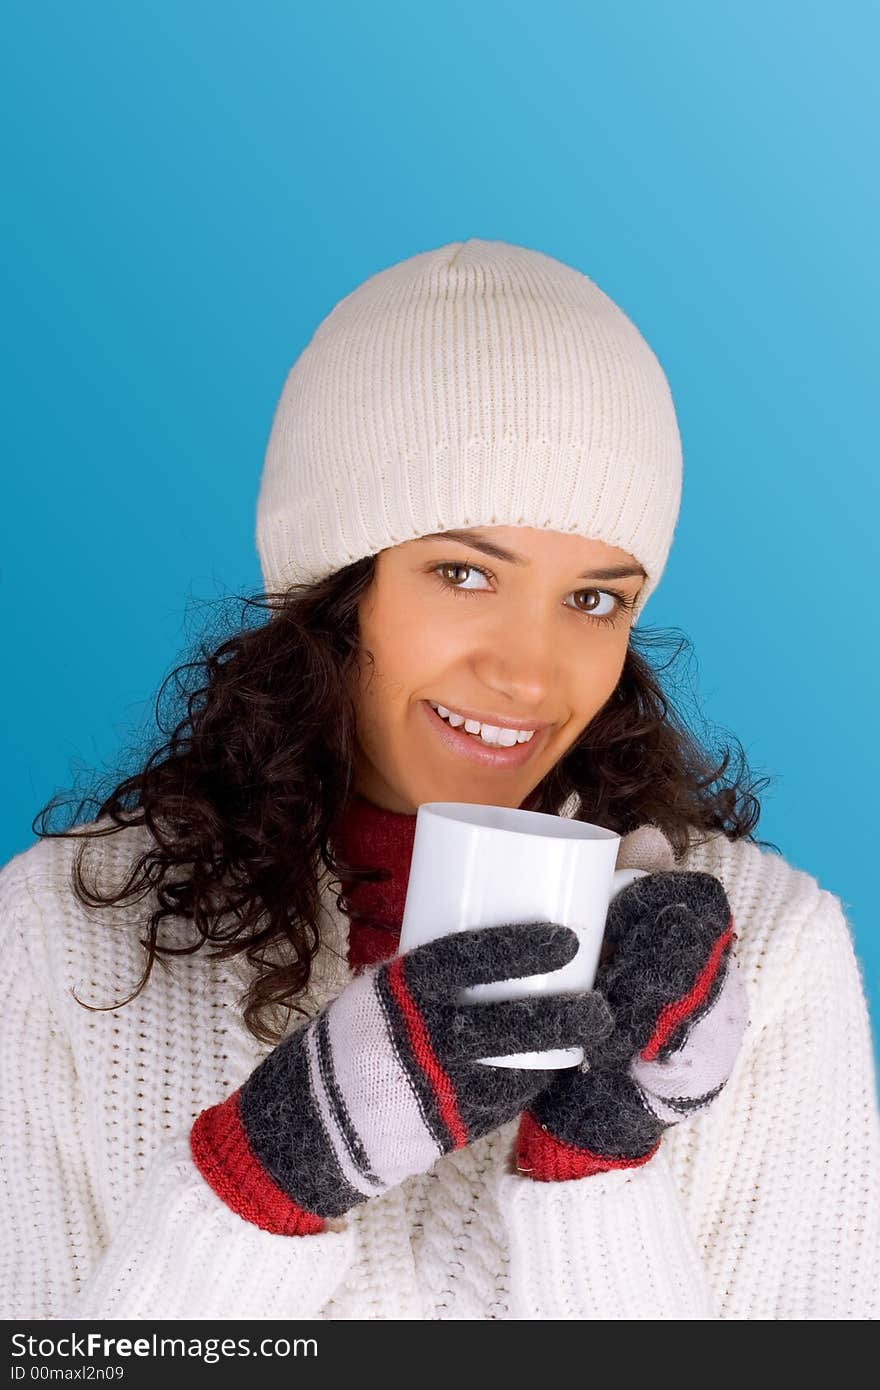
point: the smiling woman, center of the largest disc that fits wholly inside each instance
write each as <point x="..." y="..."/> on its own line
<point x="531" y="652"/>
<point x="290" y="1118"/>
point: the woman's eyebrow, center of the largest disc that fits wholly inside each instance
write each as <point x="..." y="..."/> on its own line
<point x="497" y="552"/>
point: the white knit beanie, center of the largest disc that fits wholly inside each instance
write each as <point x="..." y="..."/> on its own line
<point x="479" y="384"/>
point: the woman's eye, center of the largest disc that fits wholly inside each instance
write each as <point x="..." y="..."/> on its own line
<point x="446" y="569"/>
<point x="616" y="605"/>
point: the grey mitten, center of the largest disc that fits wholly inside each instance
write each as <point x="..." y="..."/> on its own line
<point x="680" y="1012"/>
<point x="388" y="1077"/>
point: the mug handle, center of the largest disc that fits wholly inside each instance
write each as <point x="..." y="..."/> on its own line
<point x="622" y="878"/>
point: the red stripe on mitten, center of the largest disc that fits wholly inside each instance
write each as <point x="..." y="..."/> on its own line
<point x="426" y="1057"/>
<point x="676" y="1012"/>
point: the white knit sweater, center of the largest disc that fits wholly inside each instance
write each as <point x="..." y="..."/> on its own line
<point x="766" y="1205"/>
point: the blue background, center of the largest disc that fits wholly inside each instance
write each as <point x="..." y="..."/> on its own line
<point x="190" y="187"/>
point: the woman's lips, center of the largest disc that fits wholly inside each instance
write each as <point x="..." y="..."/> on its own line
<point x="476" y="751"/>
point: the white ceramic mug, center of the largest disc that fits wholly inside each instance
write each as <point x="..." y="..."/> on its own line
<point x="481" y="866"/>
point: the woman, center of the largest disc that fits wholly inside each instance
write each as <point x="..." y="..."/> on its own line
<point x="289" y="1119"/>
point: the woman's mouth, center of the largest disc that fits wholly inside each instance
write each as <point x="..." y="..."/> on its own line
<point x="475" y="750"/>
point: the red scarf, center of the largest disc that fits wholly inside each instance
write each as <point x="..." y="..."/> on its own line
<point x="371" y="837"/>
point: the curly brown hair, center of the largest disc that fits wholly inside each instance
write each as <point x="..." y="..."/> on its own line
<point x="244" y="799"/>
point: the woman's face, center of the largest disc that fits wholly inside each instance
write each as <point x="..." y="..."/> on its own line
<point x="541" y="637"/>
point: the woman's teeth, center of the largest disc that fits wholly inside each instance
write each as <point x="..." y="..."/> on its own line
<point x="487" y="733"/>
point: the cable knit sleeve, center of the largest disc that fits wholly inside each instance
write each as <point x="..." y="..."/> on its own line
<point x="179" y="1251"/>
<point x="784" y="1217"/>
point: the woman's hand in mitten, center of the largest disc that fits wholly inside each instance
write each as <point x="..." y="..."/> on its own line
<point x="387" y="1077"/>
<point x="680" y="1011"/>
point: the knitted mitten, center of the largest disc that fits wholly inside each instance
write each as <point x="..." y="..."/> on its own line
<point x="680" y="1012"/>
<point x="387" y="1078"/>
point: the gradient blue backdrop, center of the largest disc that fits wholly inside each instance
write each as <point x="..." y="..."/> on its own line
<point x="190" y="187"/>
